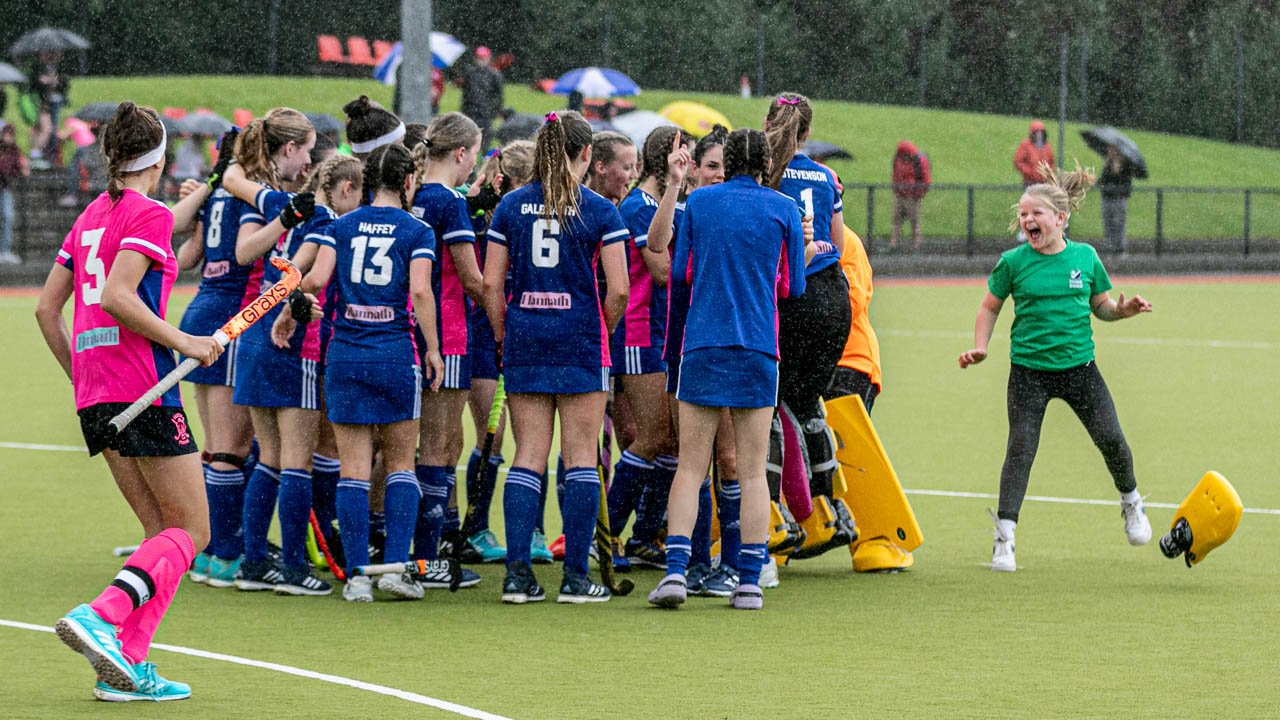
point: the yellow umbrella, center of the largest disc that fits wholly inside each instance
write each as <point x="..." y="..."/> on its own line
<point x="697" y="118"/>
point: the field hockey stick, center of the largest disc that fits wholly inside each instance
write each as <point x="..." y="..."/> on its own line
<point x="125" y="550"/>
<point x="413" y="566"/>
<point x="250" y="314"/>
<point x="604" y="545"/>
<point x="606" y="448"/>
<point x="486" y="451"/>
<point x="334" y="567"/>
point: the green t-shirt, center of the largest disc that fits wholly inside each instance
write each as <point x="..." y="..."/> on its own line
<point x="1051" y="327"/>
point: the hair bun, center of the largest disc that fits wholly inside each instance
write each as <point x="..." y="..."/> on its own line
<point x="359" y="107"/>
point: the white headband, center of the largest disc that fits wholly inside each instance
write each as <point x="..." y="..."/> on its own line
<point x="151" y="158"/>
<point x="374" y="144"/>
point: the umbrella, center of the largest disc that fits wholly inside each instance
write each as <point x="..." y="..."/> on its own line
<point x="819" y="150"/>
<point x="694" y="117"/>
<point x="97" y="112"/>
<point x="1099" y="138"/>
<point x="171" y="127"/>
<point x="204" y="123"/>
<point x="325" y="123"/>
<point x="11" y="74"/>
<point x="521" y="126"/>
<point x="594" y="82"/>
<point x="638" y="124"/>
<point x="47" y="38"/>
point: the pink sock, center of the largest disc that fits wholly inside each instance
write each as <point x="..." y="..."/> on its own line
<point x="795" y="477"/>
<point x="150" y="575"/>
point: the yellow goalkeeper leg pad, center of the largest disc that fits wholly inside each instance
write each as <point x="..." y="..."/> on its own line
<point x="830" y="526"/>
<point x="785" y="534"/>
<point x="1207" y="518"/>
<point x="866" y="481"/>
<point x="880" y="555"/>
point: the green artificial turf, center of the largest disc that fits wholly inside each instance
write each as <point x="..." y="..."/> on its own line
<point x="964" y="148"/>
<point x="1089" y="627"/>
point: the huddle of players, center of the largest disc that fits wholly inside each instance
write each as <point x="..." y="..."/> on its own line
<point x="409" y="315"/>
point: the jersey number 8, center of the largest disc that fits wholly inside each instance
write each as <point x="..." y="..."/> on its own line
<point x="379" y="260"/>
<point x="213" y="236"/>
<point x="546" y="245"/>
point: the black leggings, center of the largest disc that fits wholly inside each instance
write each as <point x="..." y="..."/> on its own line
<point x="847" y="381"/>
<point x="1085" y="391"/>
<point x="812" y="331"/>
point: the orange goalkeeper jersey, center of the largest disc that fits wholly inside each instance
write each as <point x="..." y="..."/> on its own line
<point x="862" y="350"/>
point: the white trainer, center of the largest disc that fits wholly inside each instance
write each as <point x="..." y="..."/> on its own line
<point x="401" y="585"/>
<point x="358" y="589"/>
<point x="769" y="573"/>
<point x="1002" y="549"/>
<point x="1136" y="525"/>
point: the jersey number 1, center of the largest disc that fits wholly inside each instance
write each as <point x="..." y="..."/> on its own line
<point x="806" y="199"/>
<point x="546" y="244"/>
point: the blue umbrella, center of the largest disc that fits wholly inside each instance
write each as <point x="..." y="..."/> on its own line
<point x="594" y="82"/>
<point x="445" y="51"/>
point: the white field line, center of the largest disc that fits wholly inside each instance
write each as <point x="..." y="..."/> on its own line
<point x="938" y="493"/>
<point x="1121" y="340"/>
<point x="299" y="672"/>
<point x="38" y="446"/>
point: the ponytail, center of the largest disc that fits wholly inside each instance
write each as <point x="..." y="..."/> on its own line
<point x="131" y="133"/>
<point x="789" y="119"/>
<point x="258" y="143"/>
<point x="562" y="138"/>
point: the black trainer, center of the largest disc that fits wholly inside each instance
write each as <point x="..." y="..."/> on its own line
<point x="298" y="581"/>
<point x="260" y="575"/>
<point x="579" y="589"/>
<point x="521" y="586"/>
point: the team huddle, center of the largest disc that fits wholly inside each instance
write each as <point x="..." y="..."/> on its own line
<point x="698" y="299"/>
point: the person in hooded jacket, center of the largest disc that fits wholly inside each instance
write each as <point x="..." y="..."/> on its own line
<point x="911" y="178"/>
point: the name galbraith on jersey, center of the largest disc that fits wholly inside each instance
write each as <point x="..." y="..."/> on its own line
<point x="378" y="228"/>
<point x="537" y="209"/>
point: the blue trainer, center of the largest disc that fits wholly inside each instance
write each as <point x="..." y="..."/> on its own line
<point x="486" y="547"/>
<point x="222" y="573"/>
<point x="199" y="571"/>
<point x="86" y="633"/>
<point x="151" y="687"/>
<point x="538" y="550"/>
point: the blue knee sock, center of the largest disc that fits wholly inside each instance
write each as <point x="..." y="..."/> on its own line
<point x="480" y="488"/>
<point x="225" y="490"/>
<point x="581" y="503"/>
<point x="451" y="520"/>
<point x="629" y="476"/>
<point x="701" y="538"/>
<point x="730" y="529"/>
<point x="519" y="506"/>
<point x="426" y="537"/>
<point x="752" y="558"/>
<point x="678" y="547"/>
<point x="324" y="483"/>
<point x="651" y="511"/>
<point x="259" y="506"/>
<point x="250" y="460"/>
<point x="353" y="520"/>
<point x="295" y="515"/>
<point x="401" y="506"/>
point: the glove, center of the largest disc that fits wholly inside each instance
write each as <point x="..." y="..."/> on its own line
<point x="486" y="200"/>
<point x="225" y="157"/>
<point x="299" y="306"/>
<point x="299" y="210"/>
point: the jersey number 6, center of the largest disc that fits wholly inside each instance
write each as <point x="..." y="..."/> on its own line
<point x="546" y="245"/>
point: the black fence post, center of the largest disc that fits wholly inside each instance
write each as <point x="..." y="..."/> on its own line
<point x="1248" y="198"/>
<point x="871" y="214"/>
<point x="969" y="240"/>
<point x="1159" y="222"/>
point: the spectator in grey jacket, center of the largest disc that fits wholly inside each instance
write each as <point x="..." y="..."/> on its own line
<point x="1115" y="182"/>
<point x="482" y="94"/>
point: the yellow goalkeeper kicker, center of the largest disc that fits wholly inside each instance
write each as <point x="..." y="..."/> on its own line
<point x="1211" y="514"/>
<point x="868" y="485"/>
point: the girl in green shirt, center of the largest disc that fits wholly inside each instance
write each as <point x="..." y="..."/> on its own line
<point x="1056" y="284"/>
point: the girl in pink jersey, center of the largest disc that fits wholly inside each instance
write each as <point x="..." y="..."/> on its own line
<point x="119" y="265"/>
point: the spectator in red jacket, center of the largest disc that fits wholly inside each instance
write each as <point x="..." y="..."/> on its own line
<point x="1031" y="152"/>
<point x="911" y="180"/>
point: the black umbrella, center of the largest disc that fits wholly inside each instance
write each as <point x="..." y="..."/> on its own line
<point x="819" y="150"/>
<point x="171" y="127"/>
<point x="204" y="123"/>
<point x="1100" y="138"/>
<point x="11" y="74"/>
<point x="325" y="123"/>
<point x="47" y="38"/>
<point x="97" y="112"/>
<point x="521" y="126"/>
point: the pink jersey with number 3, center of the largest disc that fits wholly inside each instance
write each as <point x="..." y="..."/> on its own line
<point x="110" y="363"/>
